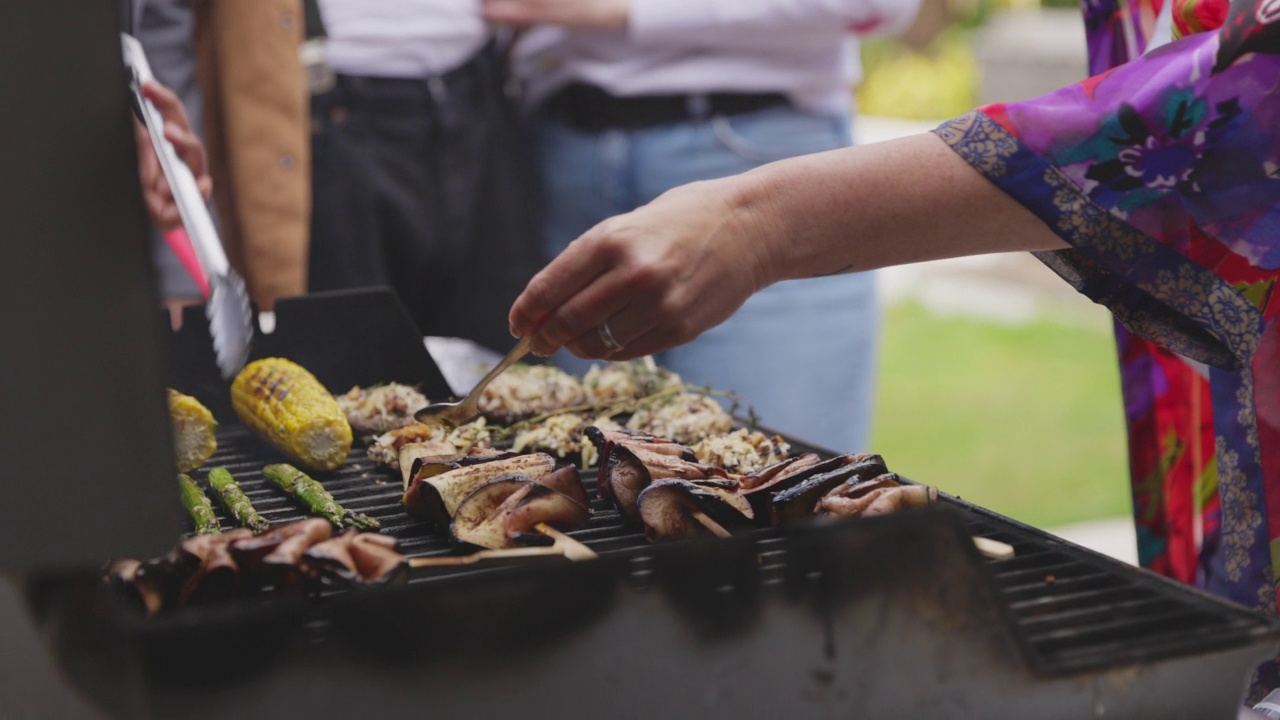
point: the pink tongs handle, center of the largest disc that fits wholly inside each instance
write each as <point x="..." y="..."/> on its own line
<point x="180" y="243"/>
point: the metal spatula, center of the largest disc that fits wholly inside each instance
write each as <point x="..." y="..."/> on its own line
<point x="227" y="307"/>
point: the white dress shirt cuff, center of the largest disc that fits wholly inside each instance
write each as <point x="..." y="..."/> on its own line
<point x="660" y="19"/>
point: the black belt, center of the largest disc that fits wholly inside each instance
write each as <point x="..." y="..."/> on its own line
<point x="587" y="108"/>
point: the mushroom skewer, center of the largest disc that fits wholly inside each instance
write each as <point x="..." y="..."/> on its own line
<point x="562" y="545"/>
<point x="716" y="528"/>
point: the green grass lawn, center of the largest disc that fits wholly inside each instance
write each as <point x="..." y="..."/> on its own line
<point x="1024" y="420"/>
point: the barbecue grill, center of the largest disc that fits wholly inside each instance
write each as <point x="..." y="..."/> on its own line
<point x="896" y="616"/>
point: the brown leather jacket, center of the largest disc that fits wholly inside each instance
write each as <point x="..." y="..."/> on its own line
<point x="257" y="133"/>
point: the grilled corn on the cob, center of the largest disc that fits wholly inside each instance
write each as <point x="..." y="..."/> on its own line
<point x="193" y="428"/>
<point x="282" y="402"/>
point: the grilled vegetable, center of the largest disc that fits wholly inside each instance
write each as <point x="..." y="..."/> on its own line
<point x="503" y="512"/>
<point x="193" y="427"/>
<point x="216" y="577"/>
<point x="668" y="507"/>
<point x="798" y="502"/>
<point x="286" y="405"/>
<point x="353" y="560"/>
<point x="316" y="498"/>
<point x="197" y="505"/>
<point x="235" y="501"/>
<point x="438" y="488"/>
<point x="631" y="468"/>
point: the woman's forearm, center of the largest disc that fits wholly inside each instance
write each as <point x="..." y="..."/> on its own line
<point x="663" y="274"/>
<point x="878" y="205"/>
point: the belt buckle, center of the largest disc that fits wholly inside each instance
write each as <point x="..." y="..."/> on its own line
<point x="320" y="76"/>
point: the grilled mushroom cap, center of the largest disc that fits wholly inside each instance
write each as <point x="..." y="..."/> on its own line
<point x="632" y="468"/>
<point x="543" y="505"/>
<point x="440" y="493"/>
<point x="606" y="440"/>
<point x="666" y="508"/>
<point x="218" y="576"/>
<point x="273" y="556"/>
<point x="330" y="563"/>
<point x="149" y="592"/>
<point x="378" y="559"/>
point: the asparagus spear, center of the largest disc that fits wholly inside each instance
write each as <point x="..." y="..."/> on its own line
<point x="235" y="501"/>
<point x="317" y="499"/>
<point x="198" y="506"/>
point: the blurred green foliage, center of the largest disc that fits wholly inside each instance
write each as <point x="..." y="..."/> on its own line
<point x="936" y="84"/>
<point x="1026" y="420"/>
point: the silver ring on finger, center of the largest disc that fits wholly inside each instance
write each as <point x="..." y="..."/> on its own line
<point x="607" y="339"/>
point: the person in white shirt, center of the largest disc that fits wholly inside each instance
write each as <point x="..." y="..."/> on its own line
<point x="421" y="178"/>
<point x="630" y="98"/>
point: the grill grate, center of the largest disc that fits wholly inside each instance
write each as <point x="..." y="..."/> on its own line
<point x="1072" y="610"/>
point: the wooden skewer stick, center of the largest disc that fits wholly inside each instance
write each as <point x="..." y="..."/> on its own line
<point x="475" y="557"/>
<point x="562" y="545"/>
<point x="993" y="549"/>
<point x="716" y="528"/>
<point x="571" y="548"/>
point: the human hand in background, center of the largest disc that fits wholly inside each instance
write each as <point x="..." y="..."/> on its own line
<point x="177" y="129"/>
<point x="658" y="276"/>
<point x="578" y="14"/>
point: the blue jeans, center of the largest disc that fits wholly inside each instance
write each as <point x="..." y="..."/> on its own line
<point x="801" y="353"/>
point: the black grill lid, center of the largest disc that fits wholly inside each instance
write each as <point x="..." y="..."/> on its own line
<point x="85" y="446"/>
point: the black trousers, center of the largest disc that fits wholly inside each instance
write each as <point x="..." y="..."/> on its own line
<point x="428" y="186"/>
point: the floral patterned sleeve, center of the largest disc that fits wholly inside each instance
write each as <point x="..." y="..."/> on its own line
<point x="1162" y="176"/>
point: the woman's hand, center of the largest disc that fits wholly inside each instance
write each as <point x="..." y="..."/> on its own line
<point x="177" y="129"/>
<point x="659" y="276"/>
<point x="665" y="273"/>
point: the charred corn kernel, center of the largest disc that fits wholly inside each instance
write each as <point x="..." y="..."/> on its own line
<point x="286" y="405"/>
<point x="193" y="428"/>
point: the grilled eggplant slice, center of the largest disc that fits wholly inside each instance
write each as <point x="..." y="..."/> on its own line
<point x="805" y="467"/>
<point x="500" y="513"/>
<point x="435" y="492"/>
<point x="787" y="466"/>
<point x="799" y="501"/>
<point x="667" y="508"/>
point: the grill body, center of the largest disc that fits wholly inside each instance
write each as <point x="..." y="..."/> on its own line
<point x="884" y="617"/>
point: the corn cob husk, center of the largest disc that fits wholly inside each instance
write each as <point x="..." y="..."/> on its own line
<point x="235" y="501"/>
<point x="198" y="506"/>
<point x="283" y="403"/>
<point x="193" y="431"/>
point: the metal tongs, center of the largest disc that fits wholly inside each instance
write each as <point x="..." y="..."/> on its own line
<point x="227" y="304"/>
